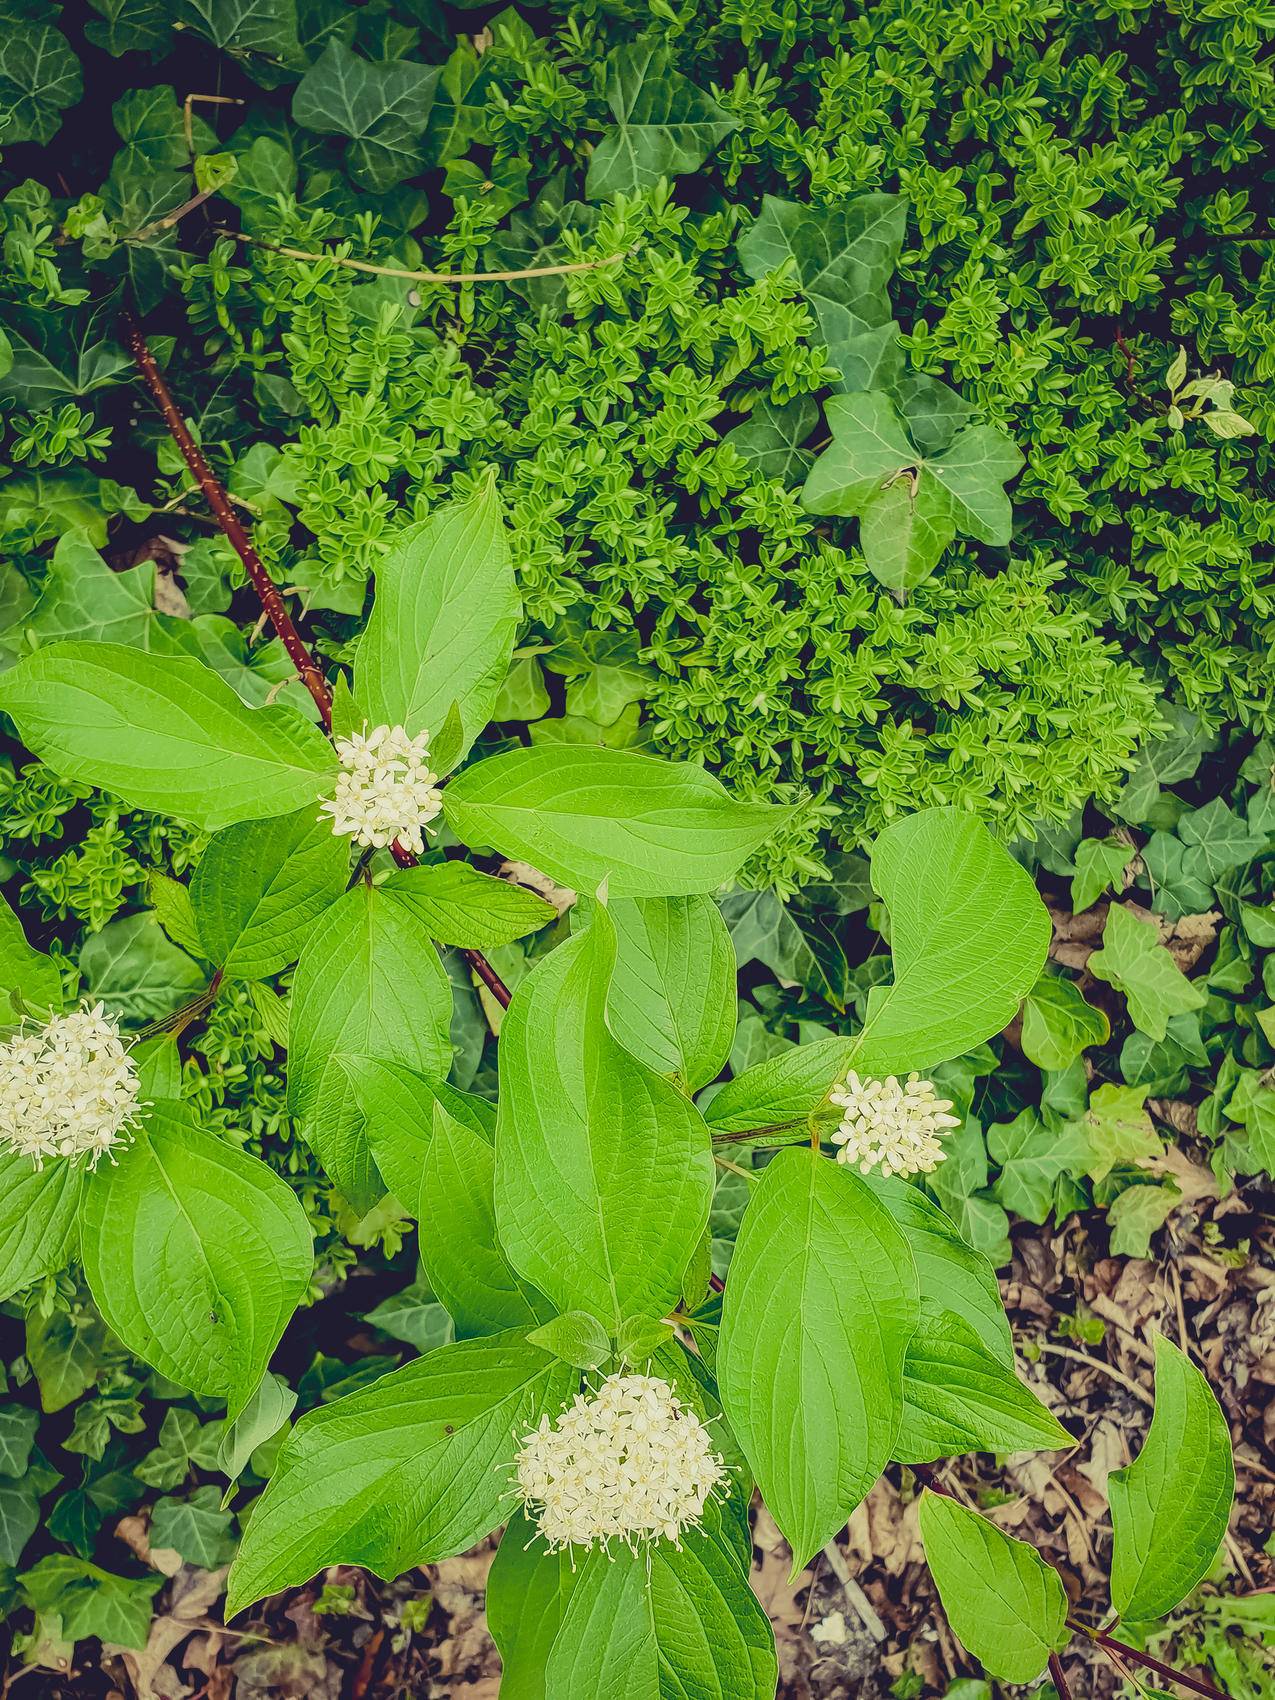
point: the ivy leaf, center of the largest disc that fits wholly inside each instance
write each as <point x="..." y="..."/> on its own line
<point x="672" y="999"/>
<point x="410" y="1470"/>
<point x="664" y="124"/>
<point x="1059" y="1023"/>
<point x="63" y="357"/>
<point x="228" y="1254"/>
<point x="39" y="79"/>
<point x="261" y="32"/>
<point x="1133" y="960"/>
<point x="583" y="816"/>
<point x="19" y="1519"/>
<point x="1220" y="838"/>
<point x="1032" y="1157"/>
<point x="164" y="734"/>
<point x="443" y="622"/>
<point x="1179" y="883"/>
<point x="383" y="108"/>
<point x="1171" y="1506"/>
<point x="1099" y="863"/>
<point x="604" y="1172"/>
<point x="770" y="439"/>
<point x="129" y="26"/>
<point x="843" y="257"/>
<point x="458" y="905"/>
<point x="134" y="969"/>
<point x="904" y="530"/>
<point x="195" y="1527"/>
<point x="17" y="1436"/>
<point x="261" y="888"/>
<point x="83" y="598"/>
<point x="369" y="983"/>
<point x="818" y="1312"/>
<point x="1135" y="1214"/>
<point x="1005" y="1604"/>
<point x="1118" y="1129"/>
<point x="92" y="1602"/>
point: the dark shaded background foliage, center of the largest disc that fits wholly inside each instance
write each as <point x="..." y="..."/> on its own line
<point x="1088" y="202"/>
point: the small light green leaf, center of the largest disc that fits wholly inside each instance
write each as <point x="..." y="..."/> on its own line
<point x="1004" y="1603"/>
<point x="383" y="107"/>
<point x="1059" y="1023"/>
<point x="410" y="1470"/>
<point x="196" y="1253"/>
<point x="134" y="969"/>
<point x="458" y="905"/>
<point x="575" y="1337"/>
<point x="818" y="1311"/>
<point x="1118" y="1129"/>
<point x="170" y="900"/>
<point x="443" y="623"/>
<point x="583" y="816"/>
<point x="92" y="1602"/>
<point x="262" y="1417"/>
<point x="164" y="733"/>
<point x="672" y="1000"/>
<point x="1133" y="960"/>
<point x="664" y="124"/>
<point x="604" y="1171"/>
<point x="25" y="970"/>
<point x="1170" y="1507"/>
<point x="1100" y="862"/>
<point x="1135" y="1214"/>
<point x="397" y="1104"/>
<point x="261" y="887"/>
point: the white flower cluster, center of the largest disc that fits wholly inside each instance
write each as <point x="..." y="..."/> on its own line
<point x="67" y="1089"/>
<point x="628" y="1462"/>
<point x="896" y="1126"/>
<point x="386" y="791"/>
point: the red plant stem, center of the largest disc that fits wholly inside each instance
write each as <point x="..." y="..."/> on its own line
<point x="308" y="670"/>
<point x="1059" y="1677"/>
<point x="300" y="657"/>
<point x="1196" y="1684"/>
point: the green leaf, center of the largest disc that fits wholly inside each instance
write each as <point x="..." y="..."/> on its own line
<point x="1135" y="1215"/>
<point x="414" y="1315"/>
<point x="66" y="1350"/>
<point x="904" y="530"/>
<point x="82" y="598"/>
<point x="664" y="124"/>
<point x="133" y="968"/>
<point x="170" y="900"/>
<point x="38" y="1215"/>
<point x="527" y="1593"/>
<point x="1004" y="1603"/>
<point x="843" y="257"/>
<point x="443" y="624"/>
<point x="1170" y="1507"/>
<point x="261" y="887"/>
<point x="24" y="969"/>
<point x="369" y="983"/>
<point x="575" y="1337"/>
<point x="1059" y="1023"/>
<point x="382" y="107"/>
<point x="1033" y="1156"/>
<point x="19" y="1519"/>
<point x="1099" y="862"/>
<point x="269" y="1408"/>
<point x="583" y="816"/>
<point x="1118" y="1129"/>
<point x="604" y="1171"/>
<point x="959" y="1397"/>
<point x="92" y="1602"/>
<point x="1219" y="838"/>
<point x="672" y="998"/>
<point x="818" y="1311"/>
<point x="687" y="1623"/>
<point x="411" y="1470"/>
<point x="39" y="79"/>
<point x="1133" y="960"/>
<point x="164" y="734"/>
<point x="196" y="1253"/>
<point x="17" y="1436"/>
<point x="770" y="439"/>
<point x="458" y="905"/>
<point x="397" y="1105"/>
<point x="195" y="1527"/>
<point x="459" y="1248"/>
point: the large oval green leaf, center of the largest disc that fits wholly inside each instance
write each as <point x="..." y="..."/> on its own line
<point x="37" y="1219"/>
<point x="412" y="1469"/>
<point x="672" y="998"/>
<point x="604" y="1170"/>
<point x="164" y="733"/>
<point x="196" y="1253"/>
<point x="1170" y="1507"/>
<point x="586" y="816"/>
<point x="820" y="1306"/>
<point x="1004" y="1603"/>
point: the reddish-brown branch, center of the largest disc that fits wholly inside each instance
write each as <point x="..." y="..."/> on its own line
<point x="228" y="520"/>
<point x="267" y="591"/>
<point x="1059" y="1677"/>
<point x="1196" y="1684"/>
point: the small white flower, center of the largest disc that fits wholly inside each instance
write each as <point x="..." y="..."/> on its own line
<point x="67" y="1089"/>
<point x="628" y="1462"/>
<point x="386" y="791"/>
<point x="896" y="1126"/>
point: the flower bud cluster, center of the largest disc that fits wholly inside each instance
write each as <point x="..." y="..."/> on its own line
<point x="67" y="1089"/>
<point x="385" y="791"/>
<point x="891" y="1125"/>
<point x="628" y="1462"/>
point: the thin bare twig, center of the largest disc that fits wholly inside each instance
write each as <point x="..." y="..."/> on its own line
<point x="423" y="276"/>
